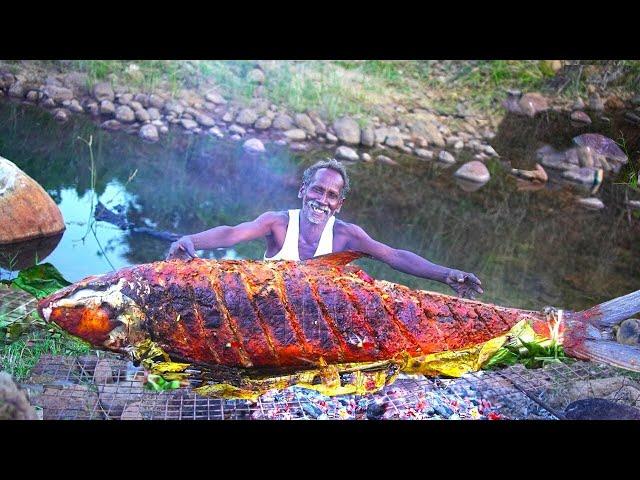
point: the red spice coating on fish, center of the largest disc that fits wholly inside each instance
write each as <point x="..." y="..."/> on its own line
<point x="260" y="314"/>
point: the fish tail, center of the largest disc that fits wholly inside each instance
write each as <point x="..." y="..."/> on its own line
<point x="589" y="334"/>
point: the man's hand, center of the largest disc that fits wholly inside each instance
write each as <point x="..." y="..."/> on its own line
<point x="466" y="285"/>
<point x="182" y="249"/>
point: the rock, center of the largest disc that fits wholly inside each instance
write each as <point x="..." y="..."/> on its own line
<point x="446" y="157"/>
<point x="331" y="138"/>
<point x="216" y="132"/>
<point x="489" y="150"/>
<point x="156" y="101"/>
<point x="346" y="153"/>
<point x="634" y="204"/>
<point x="429" y="131"/>
<point x="107" y="108"/>
<point x="214" y="97"/>
<point x="394" y="141"/>
<point x="299" y="147"/>
<point x="303" y="121"/>
<point x="237" y="129"/>
<point x="473" y="171"/>
<point x="537" y="175"/>
<point x="614" y="103"/>
<point x="58" y="94"/>
<point x="204" y="119"/>
<point x="321" y="128"/>
<point x="580" y="117"/>
<point x="578" y="104"/>
<point x="595" y="102"/>
<point x="262" y="123"/>
<point x="124" y="114"/>
<point x="586" y="175"/>
<point x="149" y="133"/>
<point x="423" y="153"/>
<point x="380" y="134"/>
<point x="112" y="125"/>
<point x="386" y="160"/>
<point x="591" y="203"/>
<point x="103" y="91"/>
<point x="142" y="116"/>
<point x="459" y="145"/>
<point x="529" y="104"/>
<point x="256" y="76"/>
<point x="163" y="129"/>
<point x="17" y="90"/>
<point x="632" y="118"/>
<point x="347" y="130"/>
<point x="628" y="332"/>
<point x="48" y="103"/>
<point x="75" y="106"/>
<point x="154" y="114"/>
<point x="124" y="98"/>
<point x="253" y="145"/>
<point x="295" y="134"/>
<point x="142" y="99"/>
<point x="283" y="122"/>
<point x="247" y="116"/>
<point x="600" y="409"/>
<point x="366" y="157"/>
<point x="173" y="107"/>
<point x="26" y="210"/>
<point x="60" y="115"/>
<point x="367" y="137"/>
<point x="188" y="124"/>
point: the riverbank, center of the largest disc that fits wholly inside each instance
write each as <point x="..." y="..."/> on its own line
<point x="428" y="109"/>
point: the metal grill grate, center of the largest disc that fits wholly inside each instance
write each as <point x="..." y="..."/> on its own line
<point x="15" y="304"/>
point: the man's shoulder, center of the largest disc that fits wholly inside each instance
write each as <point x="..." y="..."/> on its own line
<point x="345" y="228"/>
<point x="280" y="217"/>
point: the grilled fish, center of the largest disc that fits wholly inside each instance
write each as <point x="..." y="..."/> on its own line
<point x="255" y="314"/>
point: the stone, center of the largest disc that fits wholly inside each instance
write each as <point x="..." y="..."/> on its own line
<point x="595" y="102"/>
<point x="347" y="130"/>
<point x="154" y="113"/>
<point x="591" y="203"/>
<point x="459" y="145"/>
<point x="303" y="121"/>
<point x="61" y="115"/>
<point x="614" y="103"/>
<point x="427" y="130"/>
<point x="578" y="104"/>
<point x="124" y="114"/>
<point x="580" y="117"/>
<point x="367" y="137"/>
<point x="256" y="76"/>
<point x="17" y="90"/>
<point x="490" y="151"/>
<point x="216" y="132"/>
<point x="366" y="157"/>
<point x="446" y="157"/>
<point x="163" y="129"/>
<point x="295" y="134"/>
<point x="282" y="121"/>
<point x="253" y="145"/>
<point x="346" y="153"/>
<point x="173" y="107"/>
<point x="262" y="123"/>
<point x="394" y="141"/>
<point x="634" y="204"/>
<point x="33" y="96"/>
<point x="156" y="101"/>
<point x="112" y="125"/>
<point x="299" y="147"/>
<point x="58" y="94"/>
<point x="380" y="135"/>
<point x="188" y="124"/>
<point x="125" y="98"/>
<point x="142" y="99"/>
<point x="247" y="116"/>
<point x="237" y="129"/>
<point x="48" y="103"/>
<point x="632" y="118"/>
<point x="142" y="116"/>
<point x="26" y="209"/>
<point x="204" y="119"/>
<point x="331" y="138"/>
<point x="600" y="409"/>
<point x="585" y="175"/>
<point x="423" y="153"/>
<point x="214" y="97"/>
<point x="103" y="91"/>
<point x="107" y="108"/>
<point x="386" y="160"/>
<point x="75" y="106"/>
<point x="149" y="133"/>
<point x="473" y="171"/>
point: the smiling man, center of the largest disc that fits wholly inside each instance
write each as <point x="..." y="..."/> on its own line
<point x="314" y="230"/>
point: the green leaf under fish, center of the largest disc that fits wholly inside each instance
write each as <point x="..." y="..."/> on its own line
<point x="40" y="280"/>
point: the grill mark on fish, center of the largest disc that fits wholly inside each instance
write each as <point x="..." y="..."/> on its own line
<point x="315" y="329"/>
<point x="369" y="303"/>
<point x="406" y="313"/>
<point x="436" y="308"/>
<point x="469" y="321"/>
<point x="492" y="320"/>
<point x="226" y="338"/>
<point x="249" y="317"/>
<point x="351" y="328"/>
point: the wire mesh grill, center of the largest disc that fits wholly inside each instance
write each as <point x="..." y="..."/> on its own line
<point x="15" y="304"/>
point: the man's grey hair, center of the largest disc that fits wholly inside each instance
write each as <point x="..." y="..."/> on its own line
<point x="332" y="164"/>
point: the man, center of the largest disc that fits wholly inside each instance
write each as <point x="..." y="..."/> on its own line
<point x="314" y="230"/>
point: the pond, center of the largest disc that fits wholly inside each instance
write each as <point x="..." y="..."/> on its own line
<point x="529" y="248"/>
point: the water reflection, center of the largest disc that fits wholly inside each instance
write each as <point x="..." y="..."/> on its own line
<point x="530" y="248"/>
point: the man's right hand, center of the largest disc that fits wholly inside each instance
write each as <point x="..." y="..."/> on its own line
<point x="182" y="249"/>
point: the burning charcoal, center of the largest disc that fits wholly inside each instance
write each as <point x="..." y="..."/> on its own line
<point x="375" y="411"/>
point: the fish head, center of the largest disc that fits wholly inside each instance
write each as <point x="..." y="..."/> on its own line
<point x="96" y="310"/>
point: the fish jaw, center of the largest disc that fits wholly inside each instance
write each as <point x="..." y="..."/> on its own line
<point x="96" y="312"/>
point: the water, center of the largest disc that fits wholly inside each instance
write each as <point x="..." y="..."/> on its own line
<point x="529" y="248"/>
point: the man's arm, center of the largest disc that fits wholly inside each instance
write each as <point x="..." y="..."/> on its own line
<point x="223" y="236"/>
<point x="464" y="284"/>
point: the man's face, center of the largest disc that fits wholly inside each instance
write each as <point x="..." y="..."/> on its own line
<point x="321" y="198"/>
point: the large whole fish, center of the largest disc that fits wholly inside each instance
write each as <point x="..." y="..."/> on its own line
<point x="254" y="314"/>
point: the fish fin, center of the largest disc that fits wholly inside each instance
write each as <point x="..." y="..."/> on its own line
<point x="588" y="334"/>
<point x="335" y="259"/>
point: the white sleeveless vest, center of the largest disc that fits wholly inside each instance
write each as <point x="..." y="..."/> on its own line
<point x="289" y="250"/>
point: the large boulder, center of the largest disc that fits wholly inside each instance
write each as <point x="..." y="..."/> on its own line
<point x="26" y="210"/>
<point x="474" y="171"/>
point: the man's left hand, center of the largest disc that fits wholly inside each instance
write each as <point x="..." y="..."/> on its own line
<point x="466" y="285"/>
